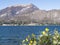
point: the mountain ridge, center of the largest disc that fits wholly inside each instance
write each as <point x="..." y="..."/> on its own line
<point x="30" y="13"/>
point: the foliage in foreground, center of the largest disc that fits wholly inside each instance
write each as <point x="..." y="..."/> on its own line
<point x="45" y="38"/>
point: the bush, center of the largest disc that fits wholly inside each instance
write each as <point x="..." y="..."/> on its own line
<point x="45" y="38"/>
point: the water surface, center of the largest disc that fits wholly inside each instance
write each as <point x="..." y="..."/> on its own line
<point x="10" y="35"/>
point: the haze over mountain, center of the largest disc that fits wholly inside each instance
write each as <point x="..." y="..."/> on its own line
<point x="30" y="13"/>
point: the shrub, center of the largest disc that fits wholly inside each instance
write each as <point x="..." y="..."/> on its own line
<point x="45" y="38"/>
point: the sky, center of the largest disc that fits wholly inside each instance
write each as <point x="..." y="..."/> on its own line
<point x="41" y="4"/>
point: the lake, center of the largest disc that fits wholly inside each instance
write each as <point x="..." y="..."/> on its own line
<point x="11" y="35"/>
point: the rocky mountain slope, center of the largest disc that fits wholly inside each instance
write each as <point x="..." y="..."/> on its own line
<point x="29" y="13"/>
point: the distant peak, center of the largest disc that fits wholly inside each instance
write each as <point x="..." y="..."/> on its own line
<point x="30" y="4"/>
<point x="23" y="5"/>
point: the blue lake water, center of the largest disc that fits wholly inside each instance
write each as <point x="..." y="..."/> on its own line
<point x="10" y="34"/>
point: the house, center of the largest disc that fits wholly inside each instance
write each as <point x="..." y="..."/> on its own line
<point x="9" y="24"/>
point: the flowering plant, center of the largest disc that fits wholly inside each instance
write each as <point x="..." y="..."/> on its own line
<point x="45" y="38"/>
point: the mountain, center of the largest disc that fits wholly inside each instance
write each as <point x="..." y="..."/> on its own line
<point x="17" y="10"/>
<point x="29" y="13"/>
